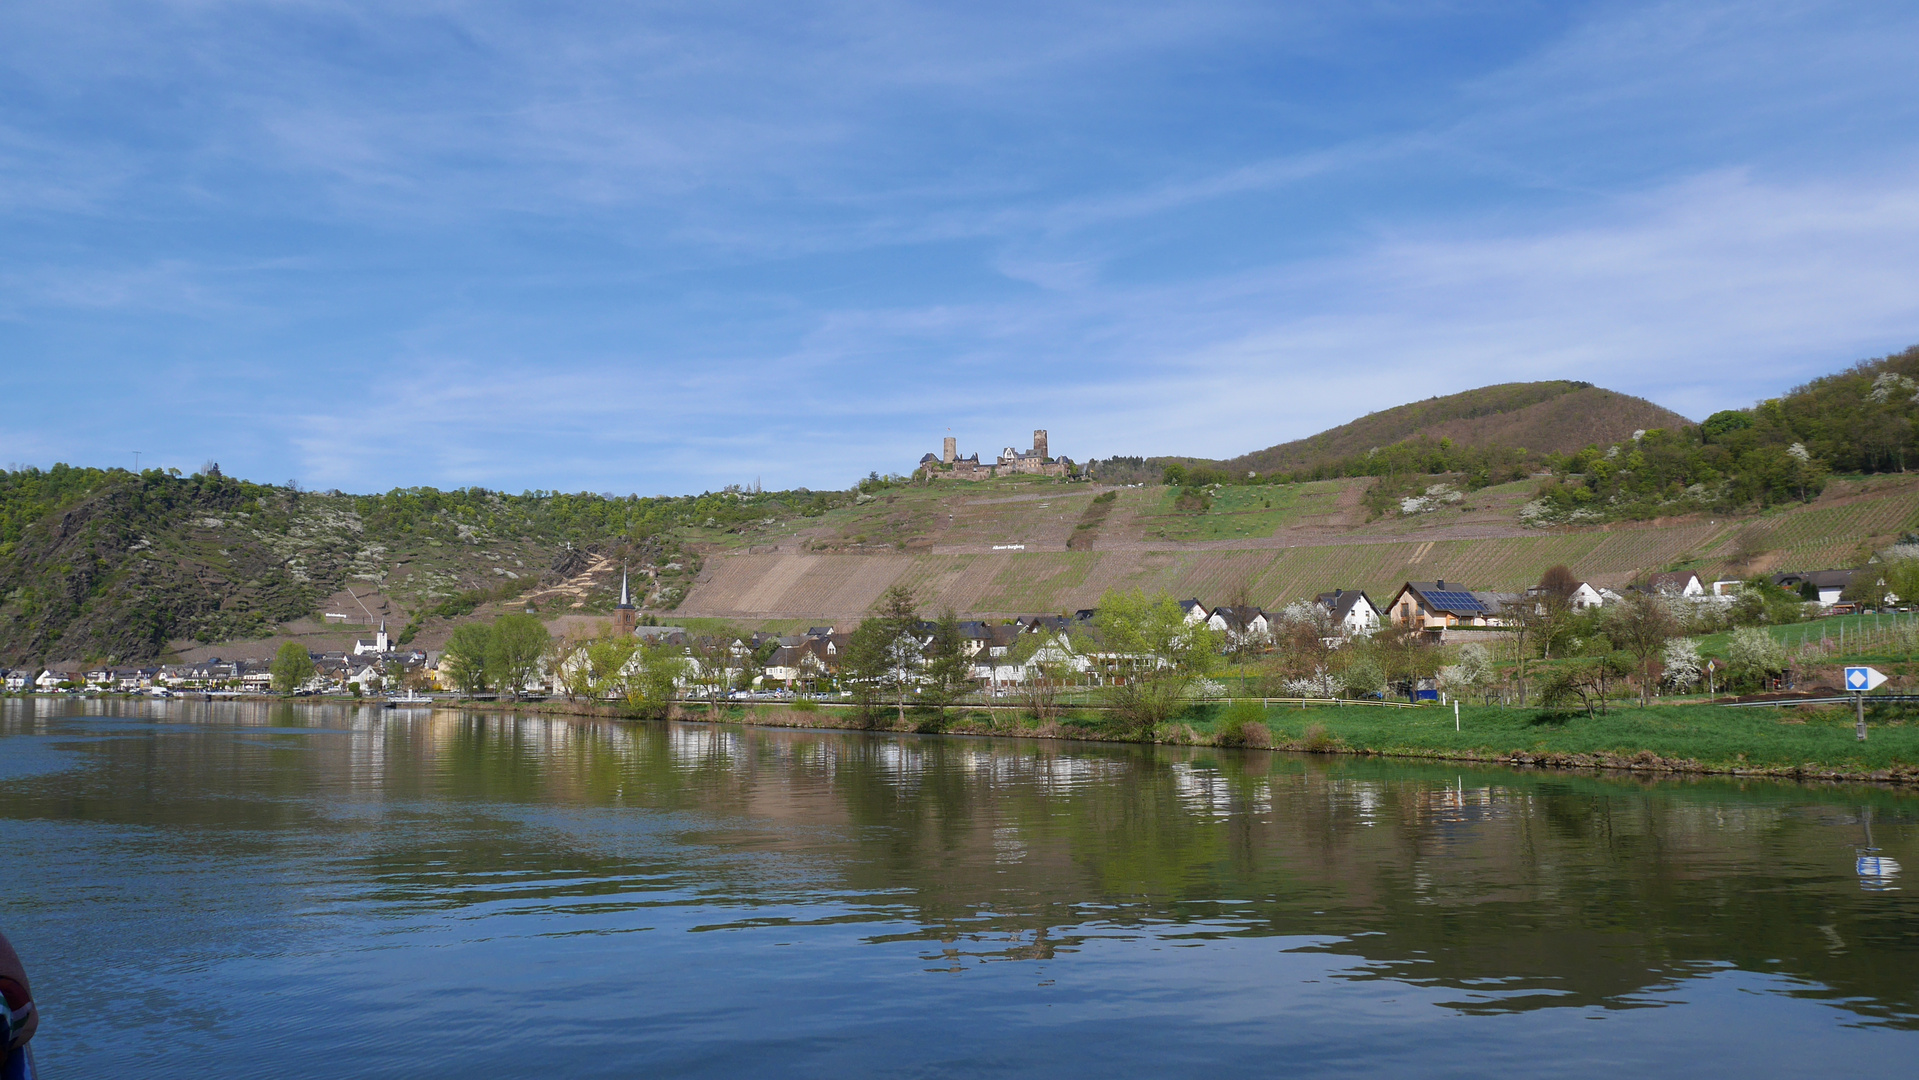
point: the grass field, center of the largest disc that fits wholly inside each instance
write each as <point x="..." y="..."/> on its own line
<point x="1238" y="513"/>
<point x="1713" y="736"/>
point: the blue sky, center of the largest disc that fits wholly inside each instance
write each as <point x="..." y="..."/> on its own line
<point x="666" y="247"/>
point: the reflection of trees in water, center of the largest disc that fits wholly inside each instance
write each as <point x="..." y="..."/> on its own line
<point x="1516" y="890"/>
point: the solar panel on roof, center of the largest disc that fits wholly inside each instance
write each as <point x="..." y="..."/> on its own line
<point x="1454" y="601"/>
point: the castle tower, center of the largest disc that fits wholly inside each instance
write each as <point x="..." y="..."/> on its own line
<point x="625" y="616"/>
<point x="1039" y="444"/>
<point x="951" y="453"/>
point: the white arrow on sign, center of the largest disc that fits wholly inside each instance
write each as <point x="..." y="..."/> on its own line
<point x="1861" y="679"/>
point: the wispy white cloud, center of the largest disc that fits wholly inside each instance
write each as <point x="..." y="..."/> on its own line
<point x="660" y="247"/>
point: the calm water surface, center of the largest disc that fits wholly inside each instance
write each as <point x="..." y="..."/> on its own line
<point x="312" y="891"/>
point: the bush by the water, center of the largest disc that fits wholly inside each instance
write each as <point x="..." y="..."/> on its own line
<point x="1243" y="724"/>
<point x="1317" y="740"/>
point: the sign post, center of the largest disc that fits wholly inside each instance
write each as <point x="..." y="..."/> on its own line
<point x="1859" y="680"/>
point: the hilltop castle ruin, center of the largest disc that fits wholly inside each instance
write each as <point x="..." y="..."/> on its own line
<point x="1034" y="462"/>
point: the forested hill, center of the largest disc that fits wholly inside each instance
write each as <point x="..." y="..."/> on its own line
<point x="1555" y="417"/>
<point x="110" y="566"/>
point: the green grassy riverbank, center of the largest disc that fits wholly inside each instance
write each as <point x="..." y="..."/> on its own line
<point x="1798" y="741"/>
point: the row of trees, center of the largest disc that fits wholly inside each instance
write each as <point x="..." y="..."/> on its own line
<point x="1148" y="660"/>
<point x="504" y="655"/>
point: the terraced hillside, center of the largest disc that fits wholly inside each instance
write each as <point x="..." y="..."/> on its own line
<point x="1003" y="548"/>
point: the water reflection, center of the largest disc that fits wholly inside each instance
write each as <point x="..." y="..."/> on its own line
<point x="1496" y="892"/>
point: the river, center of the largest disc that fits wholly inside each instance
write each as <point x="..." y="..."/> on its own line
<point x="243" y="890"/>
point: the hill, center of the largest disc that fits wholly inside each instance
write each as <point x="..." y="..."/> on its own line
<point x="1543" y="418"/>
<point x="112" y="566"/>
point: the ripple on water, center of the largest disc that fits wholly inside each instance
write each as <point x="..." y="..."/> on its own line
<point x="36" y="755"/>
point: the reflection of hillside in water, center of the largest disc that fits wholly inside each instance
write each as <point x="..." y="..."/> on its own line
<point x="1514" y="890"/>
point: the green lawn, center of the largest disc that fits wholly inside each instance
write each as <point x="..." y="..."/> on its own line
<point x="1820" y="738"/>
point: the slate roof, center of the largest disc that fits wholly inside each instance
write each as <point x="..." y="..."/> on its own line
<point x="1821" y="579"/>
<point x="1341" y="601"/>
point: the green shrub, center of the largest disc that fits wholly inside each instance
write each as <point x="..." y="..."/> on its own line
<point x="1243" y="724"/>
<point x="805" y="704"/>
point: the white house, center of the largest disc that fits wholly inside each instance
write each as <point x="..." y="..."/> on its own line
<point x="1678" y="583"/>
<point x="50" y="680"/>
<point x="1354" y="613"/>
<point x="1585" y="597"/>
<point x="1242" y="624"/>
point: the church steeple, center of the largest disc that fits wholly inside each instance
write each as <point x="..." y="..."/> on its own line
<point x="625" y="618"/>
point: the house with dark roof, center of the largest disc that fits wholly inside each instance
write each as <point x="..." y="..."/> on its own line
<point x="1822" y="585"/>
<point x="803" y="663"/>
<point x="1439" y="605"/>
<point x="1353" y="612"/>
<point x="1243" y="624"/>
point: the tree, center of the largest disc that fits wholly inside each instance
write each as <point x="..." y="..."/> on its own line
<point x="1548" y="608"/>
<point x="1560" y="583"/>
<point x="1302" y="660"/>
<point x="518" y="644"/>
<point x="1359" y="672"/>
<point x="884" y="655"/>
<point x="1754" y="654"/>
<point x="1403" y="655"/>
<point x="1684" y="668"/>
<point x="1582" y="682"/>
<point x="653" y="680"/>
<point x="597" y="667"/>
<point x="1641" y="625"/>
<point x="946" y="662"/>
<point x="465" y="656"/>
<point x="1046" y="670"/>
<point x="1471" y="670"/>
<point x="292" y="667"/>
<point x="1160" y="657"/>
<point x="1901" y="579"/>
<point x="709" y="664"/>
<point x="1761" y="603"/>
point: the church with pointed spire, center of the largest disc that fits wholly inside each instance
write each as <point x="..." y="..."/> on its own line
<point x="378" y="644"/>
<point x="625" y="615"/>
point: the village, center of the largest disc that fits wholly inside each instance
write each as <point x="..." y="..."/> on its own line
<point x="1000" y="657"/>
